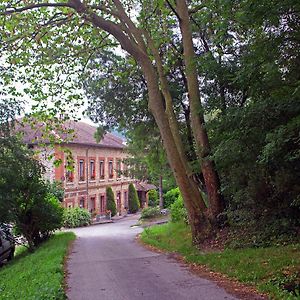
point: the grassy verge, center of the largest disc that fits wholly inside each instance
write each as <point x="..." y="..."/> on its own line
<point x="274" y="270"/>
<point x="37" y="275"/>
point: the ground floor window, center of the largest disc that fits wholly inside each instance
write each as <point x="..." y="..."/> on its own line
<point x="102" y="204"/>
<point x="81" y="203"/>
<point x="125" y="200"/>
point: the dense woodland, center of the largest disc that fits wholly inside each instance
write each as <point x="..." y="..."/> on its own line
<point x="207" y="93"/>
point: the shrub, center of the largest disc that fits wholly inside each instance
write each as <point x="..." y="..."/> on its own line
<point x="150" y="212"/>
<point x="26" y="199"/>
<point x="133" y="200"/>
<point x="153" y="198"/>
<point x="50" y="214"/>
<point x="110" y="201"/>
<point x="76" y="217"/>
<point x="178" y="211"/>
<point x="171" y="196"/>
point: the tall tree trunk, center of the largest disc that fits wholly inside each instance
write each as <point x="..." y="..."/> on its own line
<point x="160" y="191"/>
<point x="192" y="197"/>
<point x="202" y="143"/>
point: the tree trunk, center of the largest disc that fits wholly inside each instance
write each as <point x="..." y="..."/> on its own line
<point x="192" y="197"/>
<point x="197" y="120"/>
<point x="160" y="191"/>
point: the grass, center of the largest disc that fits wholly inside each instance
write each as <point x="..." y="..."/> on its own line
<point x="37" y="275"/>
<point x="272" y="270"/>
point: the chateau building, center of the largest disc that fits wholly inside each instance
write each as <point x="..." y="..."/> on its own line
<point x="96" y="166"/>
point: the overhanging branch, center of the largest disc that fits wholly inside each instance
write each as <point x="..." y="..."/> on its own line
<point x="34" y="6"/>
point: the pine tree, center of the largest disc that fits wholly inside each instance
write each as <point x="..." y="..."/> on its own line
<point x="133" y="200"/>
<point x="110" y="201"/>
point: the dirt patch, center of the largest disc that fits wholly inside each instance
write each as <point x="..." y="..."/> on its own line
<point x="216" y="243"/>
<point x="232" y="286"/>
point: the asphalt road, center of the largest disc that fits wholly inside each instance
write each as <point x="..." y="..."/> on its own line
<point x="107" y="263"/>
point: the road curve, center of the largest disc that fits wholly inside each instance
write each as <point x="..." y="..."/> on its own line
<point x="107" y="263"/>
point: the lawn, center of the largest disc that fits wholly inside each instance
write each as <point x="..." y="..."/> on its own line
<point x="37" y="275"/>
<point x="273" y="270"/>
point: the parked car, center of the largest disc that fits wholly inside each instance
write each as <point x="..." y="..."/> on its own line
<point x="7" y="246"/>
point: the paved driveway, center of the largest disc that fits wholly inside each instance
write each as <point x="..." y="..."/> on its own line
<point x="107" y="263"/>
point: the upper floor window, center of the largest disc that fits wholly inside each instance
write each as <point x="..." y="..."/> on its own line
<point x="101" y="169"/>
<point x="92" y="169"/>
<point x="69" y="176"/>
<point x="118" y="168"/>
<point x="110" y="168"/>
<point x="125" y="169"/>
<point x="81" y="170"/>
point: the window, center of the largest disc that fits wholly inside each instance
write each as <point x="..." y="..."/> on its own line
<point x="125" y="169"/>
<point x="119" y="204"/>
<point x="101" y="169"/>
<point x="119" y="168"/>
<point x="125" y="200"/>
<point x="110" y="169"/>
<point x="70" y="176"/>
<point x="81" y="170"/>
<point x="81" y="203"/>
<point x="102" y="204"/>
<point x="92" y="204"/>
<point x="92" y="169"/>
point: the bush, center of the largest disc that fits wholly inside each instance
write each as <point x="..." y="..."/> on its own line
<point x="50" y="214"/>
<point x="171" y="196"/>
<point x="110" y="201"/>
<point x="26" y="199"/>
<point x="153" y="198"/>
<point x="150" y="212"/>
<point x="133" y="200"/>
<point x="178" y="211"/>
<point x="76" y="217"/>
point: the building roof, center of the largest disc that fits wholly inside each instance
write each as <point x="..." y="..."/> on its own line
<point x="144" y="186"/>
<point x="83" y="135"/>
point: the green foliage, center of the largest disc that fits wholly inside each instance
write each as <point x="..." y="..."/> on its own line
<point x="48" y="215"/>
<point x="178" y="211"/>
<point x="171" y="196"/>
<point x="253" y="107"/>
<point x="272" y="270"/>
<point x="133" y="200"/>
<point x="56" y="189"/>
<point x="25" y="198"/>
<point x="110" y="201"/>
<point x="153" y="198"/>
<point x="76" y="217"/>
<point x="150" y="212"/>
<point x="38" y="275"/>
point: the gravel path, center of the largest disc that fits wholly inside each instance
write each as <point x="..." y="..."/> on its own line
<point x="107" y="263"/>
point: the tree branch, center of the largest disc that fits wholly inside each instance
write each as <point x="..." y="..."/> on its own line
<point x="33" y="6"/>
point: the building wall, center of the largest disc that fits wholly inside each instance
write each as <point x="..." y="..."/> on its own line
<point x="43" y="154"/>
<point x="87" y="191"/>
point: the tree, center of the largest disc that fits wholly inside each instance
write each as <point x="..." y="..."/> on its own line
<point x="25" y="198"/>
<point x="147" y="45"/>
<point x="153" y="198"/>
<point x="133" y="199"/>
<point x="248" y="66"/>
<point x="110" y="201"/>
